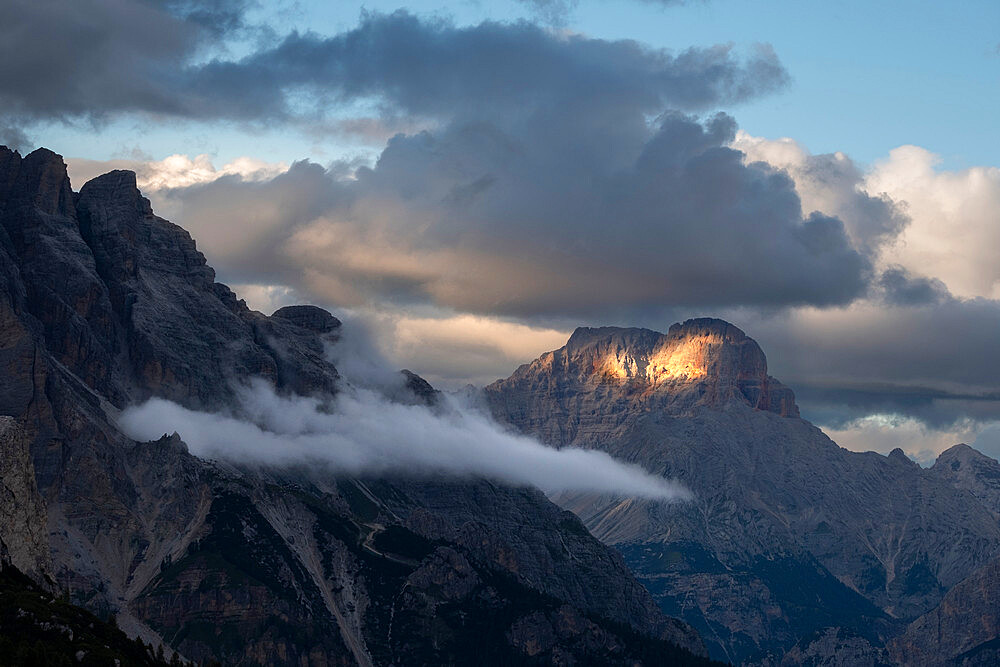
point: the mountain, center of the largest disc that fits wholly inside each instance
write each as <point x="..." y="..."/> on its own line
<point x="788" y="534"/>
<point x="965" y="626"/>
<point x="965" y="468"/>
<point x="103" y="305"/>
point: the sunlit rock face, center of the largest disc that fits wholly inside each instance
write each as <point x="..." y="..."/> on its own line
<point x="704" y="361"/>
<point x="604" y="375"/>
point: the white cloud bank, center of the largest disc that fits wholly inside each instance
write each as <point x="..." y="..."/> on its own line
<point x="366" y="434"/>
<point x="948" y="222"/>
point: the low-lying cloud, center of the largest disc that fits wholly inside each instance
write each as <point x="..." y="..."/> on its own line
<point x="363" y="433"/>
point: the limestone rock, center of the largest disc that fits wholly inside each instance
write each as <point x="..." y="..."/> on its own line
<point x="965" y="468"/>
<point x="968" y="618"/>
<point x="23" y="522"/>
<point x="835" y="647"/>
<point x="312" y="318"/>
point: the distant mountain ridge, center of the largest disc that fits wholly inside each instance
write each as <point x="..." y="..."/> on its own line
<point x="103" y="304"/>
<point x="788" y="534"/>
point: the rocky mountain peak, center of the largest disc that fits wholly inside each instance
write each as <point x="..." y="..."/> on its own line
<point x="969" y="469"/>
<point x="701" y="361"/>
<point x="958" y="455"/>
<point x="899" y="456"/>
<point x="312" y="318"/>
<point x="117" y="188"/>
<point x="698" y="350"/>
<point x="604" y="375"/>
<point x="39" y="180"/>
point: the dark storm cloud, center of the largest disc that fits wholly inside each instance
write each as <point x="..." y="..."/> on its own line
<point x="839" y="407"/>
<point x="65" y="60"/>
<point x="244" y="225"/>
<point x="96" y="58"/>
<point x="901" y="288"/>
<point x="834" y="184"/>
<point x="543" y="187"/>
<point x="949" y="345"/>
<point x="432" y="68"/>
<point x="539" y="218"/>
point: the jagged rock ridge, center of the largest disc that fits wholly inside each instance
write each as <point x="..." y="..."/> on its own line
<point x="104" y="304"/>
<point x="788" y="534"/>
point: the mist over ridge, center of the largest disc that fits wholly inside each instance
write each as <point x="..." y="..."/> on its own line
<point x="375" y="425"/>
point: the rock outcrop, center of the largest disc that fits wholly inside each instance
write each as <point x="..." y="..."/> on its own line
<point x="23" y="524"/>
<point x="966" y="622"/>
<point x="103" y="304"/>
<point x="834" y="647"/>
<point x="788" y="534"/>
<point x="967" y="469"/>
<point x="603" y="377"/>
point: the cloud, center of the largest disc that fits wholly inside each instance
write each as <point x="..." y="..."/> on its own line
<point x="266" y="298"/>
<point x="552" y="12"/>
<point x="537" y="220"/>
<point x="840" y="405"/>
<point x="108" y="58"/>
<point x="461" y="348"/>
<point x="365" y="434"/>
<point x="243" y="225"/>
<point x="832" y="184"/>
<point x="954" y="233"/>
<point x="942" y="225"/>
<point x="85" y="59"/>
<point x="948" y="346"/>
<point x="882" y="433"/>
<point x="926" y="366"/>
<point x="558" y="12"/>
<point x="219" y="17"/>
<point x="175" y="171"/>
<point x="491" y="70"/>
<point x="14" y="138"/>
<point x="451" y="349"/>
<point x="916" y="353"/>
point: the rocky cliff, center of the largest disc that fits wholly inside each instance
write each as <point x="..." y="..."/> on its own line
<point x="788" y="534"/>
<point x="967" y="469"/>
<point x="602" y="378"/>
<point x="964" y="624"/>
<point x="103" y="304"/>
<point x="23" y="524"/>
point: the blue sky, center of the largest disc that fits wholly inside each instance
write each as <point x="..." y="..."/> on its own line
<point x="866" y="76"/>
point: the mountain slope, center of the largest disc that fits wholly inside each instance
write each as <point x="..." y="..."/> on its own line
<point x="965" y="626"/>
<point x="103" y="304"/>
<point x="967" y="469"/>
<point x="967" y="621"/>
<point x="787" y="533"/>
